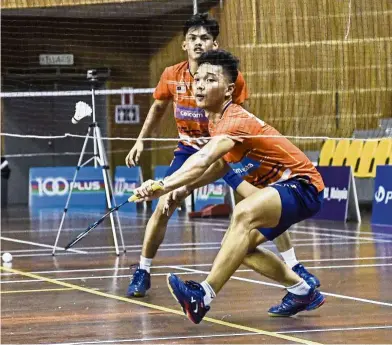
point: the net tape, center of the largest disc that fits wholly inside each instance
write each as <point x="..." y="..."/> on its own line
<point x="70" y="135"/>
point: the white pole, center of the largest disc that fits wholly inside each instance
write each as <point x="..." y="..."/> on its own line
<point x="195" y="7"/>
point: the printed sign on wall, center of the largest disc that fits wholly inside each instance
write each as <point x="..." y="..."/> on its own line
<point x="212" y="194"/>
<point x="382" y="198"/>
<point x="125" y="181"/>
<point x="336" y="180"/>
<point x="49" y="187"/>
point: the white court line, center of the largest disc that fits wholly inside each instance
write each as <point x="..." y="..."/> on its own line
<point x="315" y="227"/>
<point x="363" y="239"/>
<point x="183" y="222"/>
<point x="311" y="244"/>
<point x="348" y="231"/>
<point x="189" y="271"/>
<point x="192" y="265"/>
<point x="329" y="235"/>
<point x="214" y="335"/>
<point x="83" y="278"/>
<point x="140" y="246"/>
<point x="343" y="236"/>
<point x="281" y="286"/>
<point x="38" y="230"/>
<point x="188" y="244"/>
<point x="39" y="244"/>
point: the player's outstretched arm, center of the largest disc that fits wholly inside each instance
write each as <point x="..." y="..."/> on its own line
<point x="153" y="118"/>
<point x="192" y="169"/>
<point x="213" y="173"/>
<point x="199" y="163"/>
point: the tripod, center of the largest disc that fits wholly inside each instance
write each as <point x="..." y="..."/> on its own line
<point x="100" y="159"/>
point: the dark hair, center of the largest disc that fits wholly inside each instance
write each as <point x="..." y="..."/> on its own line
<point x="222" y="58"/>
<point x="202" y="20"/>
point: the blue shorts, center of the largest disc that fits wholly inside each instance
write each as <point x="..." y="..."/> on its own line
<point x="182" y="153"/>
<point x="300" y="200"/>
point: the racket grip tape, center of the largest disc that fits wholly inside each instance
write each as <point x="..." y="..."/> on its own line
<point x="155" y="186"/>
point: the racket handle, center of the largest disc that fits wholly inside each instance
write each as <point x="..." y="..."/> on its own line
<point x="158" y="185"/>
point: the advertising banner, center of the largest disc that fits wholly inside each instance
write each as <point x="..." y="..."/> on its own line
<point x="382" y="198"/>
<point x="49" y="187"/>
<point x="337" y="194"/>
<point x="212" y="194"/>
<point x="125" y="181"/>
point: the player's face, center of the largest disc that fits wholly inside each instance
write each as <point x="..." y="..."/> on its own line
<point x="197" y="41"/>
<point x="211" y="87"/>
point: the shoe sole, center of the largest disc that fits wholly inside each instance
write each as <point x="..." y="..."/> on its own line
<point x="316" y="304"/>
<point x="137" y="294"/>
<point x="184" y="309"/>
<point x="279" y="315"/>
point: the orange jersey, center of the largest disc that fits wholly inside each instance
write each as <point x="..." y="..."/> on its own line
<point x="262" y="161"/>
<point x="176" y="84"/>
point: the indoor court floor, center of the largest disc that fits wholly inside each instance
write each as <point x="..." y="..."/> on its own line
<point x="79" y="298"/>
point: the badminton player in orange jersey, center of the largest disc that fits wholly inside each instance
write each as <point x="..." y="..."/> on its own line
<point x="290" y="190"/>
<point x="200" y="34"/>
<point x="175" y="85"/>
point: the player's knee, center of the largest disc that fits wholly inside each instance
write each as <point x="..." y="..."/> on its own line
<point x="241" y="216"/>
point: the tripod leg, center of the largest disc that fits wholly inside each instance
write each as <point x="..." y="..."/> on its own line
<point x="111" y="191"/>
<point x="106" y="179"/>
<point x="116" y="214"/>
<point x="71" y="189"/>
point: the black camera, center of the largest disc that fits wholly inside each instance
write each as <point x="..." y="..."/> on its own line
<point x="92" y="74"/>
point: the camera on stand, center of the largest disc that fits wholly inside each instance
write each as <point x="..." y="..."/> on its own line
<point x="92" y="75"/>
<point x="82" y="109"/>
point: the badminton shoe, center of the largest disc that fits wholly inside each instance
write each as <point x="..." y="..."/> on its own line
<point x="140" y="283"/>
<point x="293" y="304"/>
<point x="191" y="297"/>
<point x="311" y="279"/>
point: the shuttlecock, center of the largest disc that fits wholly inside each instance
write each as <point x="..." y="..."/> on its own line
<point x="82" y="110"/>
<point x="7" y="257"/>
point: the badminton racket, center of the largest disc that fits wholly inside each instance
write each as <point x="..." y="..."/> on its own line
<point x="156" y="186"/>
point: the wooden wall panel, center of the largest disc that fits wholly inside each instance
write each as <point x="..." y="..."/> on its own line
<point x="297" y="54"/>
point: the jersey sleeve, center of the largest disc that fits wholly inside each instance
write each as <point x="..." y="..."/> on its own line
<point x="241" y="91"/>
<point x="162" y="91"/>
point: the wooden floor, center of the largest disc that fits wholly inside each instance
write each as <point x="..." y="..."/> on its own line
<point x="78" y="298"/>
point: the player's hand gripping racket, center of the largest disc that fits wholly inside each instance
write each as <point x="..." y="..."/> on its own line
<point x="154" y="187"/>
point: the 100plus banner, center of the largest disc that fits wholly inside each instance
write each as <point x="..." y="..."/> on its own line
<point x="50" y="186"/>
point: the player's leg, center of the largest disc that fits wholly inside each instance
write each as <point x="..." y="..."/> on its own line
<point x="282" y="242"/>
<point x="261" y="209"/>
<point x="276" y="207"/>
<point x="156" y="229"/>
<point x="267" y="264"/>
<point x="285" y="247"/>
<point x="154" y="235"/>
<point x="153" y="238"/>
